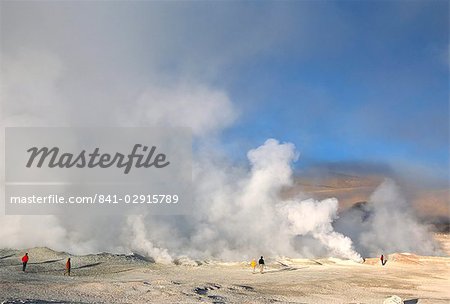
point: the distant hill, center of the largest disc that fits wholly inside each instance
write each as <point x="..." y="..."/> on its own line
<point x="431" y="205"/>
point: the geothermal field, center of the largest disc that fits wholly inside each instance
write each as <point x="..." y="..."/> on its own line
<point x="166" y="146"/>
<point x="109" y="278"/>
<point x="353" y="274"/>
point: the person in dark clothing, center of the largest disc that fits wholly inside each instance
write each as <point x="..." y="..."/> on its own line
<point x="261" y="264"/>
<point x="383" y="260"/>
<point x="68" y="267"/>
<point x="24" y="261"/>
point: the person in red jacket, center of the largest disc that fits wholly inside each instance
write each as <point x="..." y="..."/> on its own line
<point x="24" y="261"/>
<point x="68" y="267"/>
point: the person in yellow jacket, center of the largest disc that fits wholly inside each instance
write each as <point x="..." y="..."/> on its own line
<point x="253" y="264"/>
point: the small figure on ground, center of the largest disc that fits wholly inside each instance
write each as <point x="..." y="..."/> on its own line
<point x="261" y="264"/>
<point x="253" y="264"/>
<point x="68" y="267"/>
<point x="24" y="261"/>
<point x="383" y="260"/>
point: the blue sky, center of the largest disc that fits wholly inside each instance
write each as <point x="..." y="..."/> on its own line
<point x="371" y="87"/>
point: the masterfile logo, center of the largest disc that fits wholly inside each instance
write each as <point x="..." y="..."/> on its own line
<point x="84" y="159"/>
<point x="104" y="168"/>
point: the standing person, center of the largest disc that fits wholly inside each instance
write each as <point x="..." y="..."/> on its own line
<point x="24" y="261"/>
<point x="253" y="264"/>
<point x="68" y="267"/>
<point x="261" y="264"/>
<point x="383" y="260"/>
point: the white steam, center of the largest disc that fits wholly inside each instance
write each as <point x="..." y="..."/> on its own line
<point x="310" y="217"/>
<point x="393" y="227"/>
<point x="198" y="107"/>
<point x="140" y="242"/>
<point x="387" y="223"/>
<point x="239" y="214"/>
<point x="114" y="72"/>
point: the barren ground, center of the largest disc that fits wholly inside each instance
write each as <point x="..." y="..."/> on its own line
<point x="106" y="278"/>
